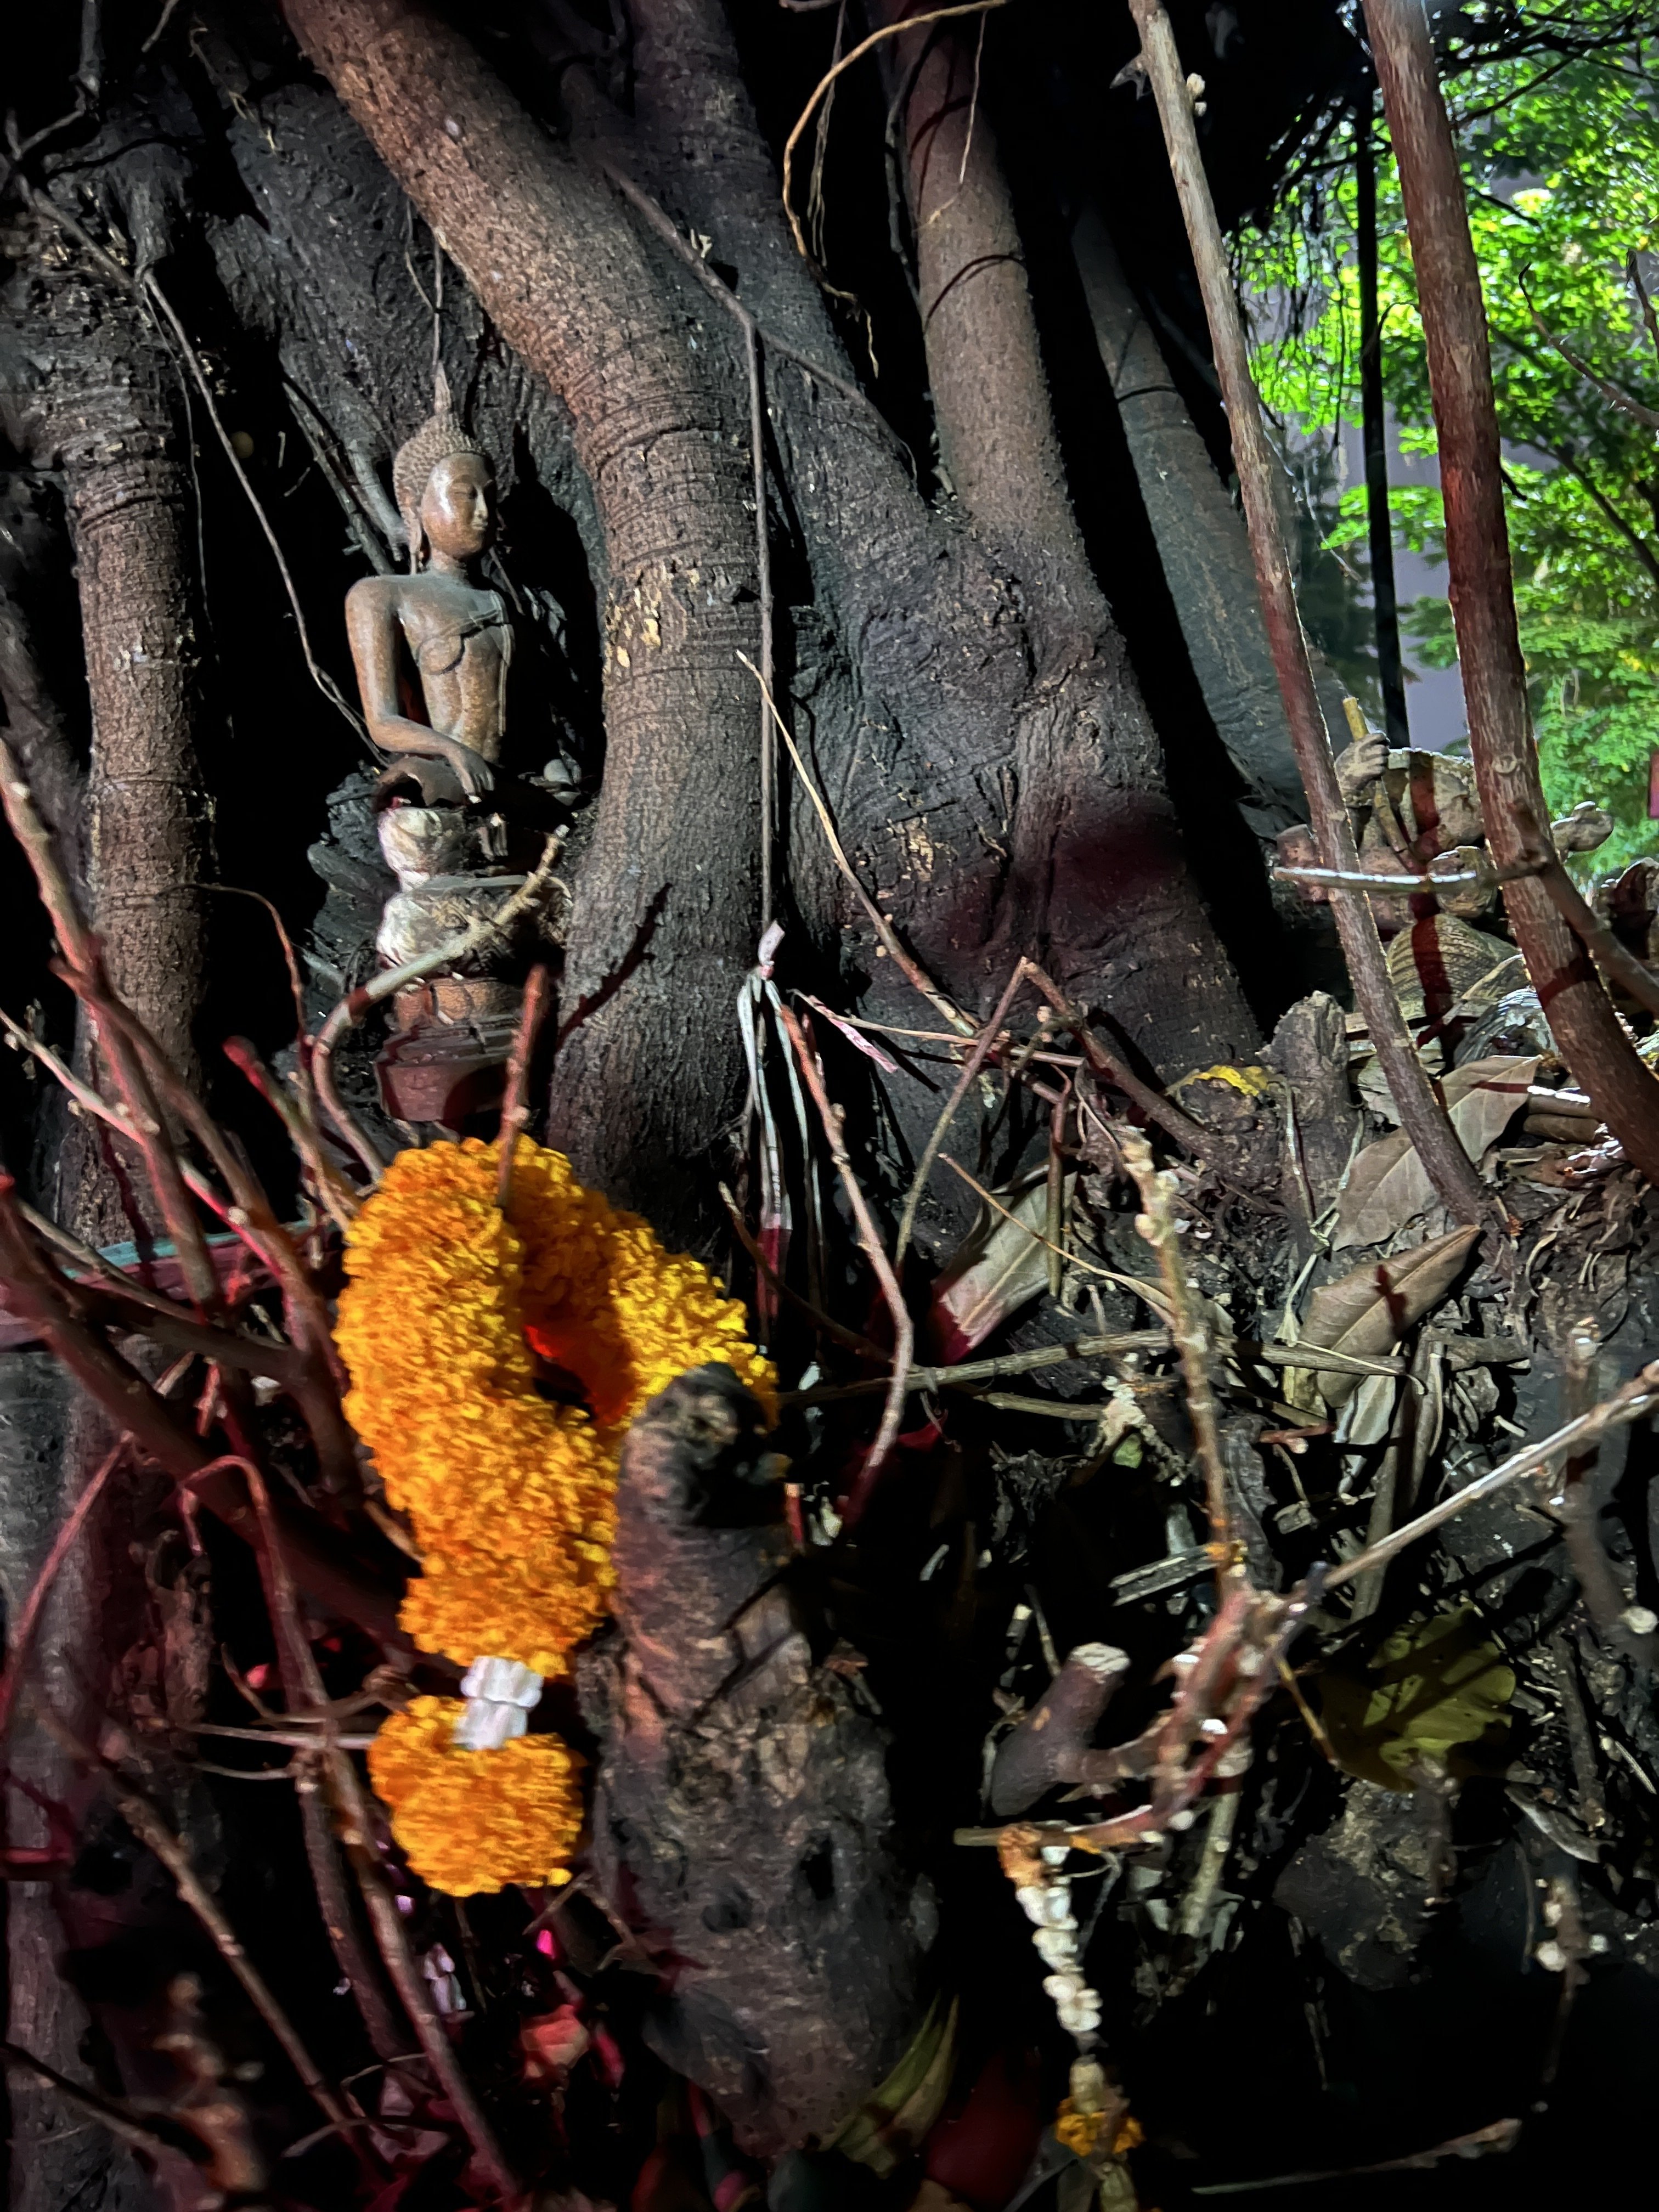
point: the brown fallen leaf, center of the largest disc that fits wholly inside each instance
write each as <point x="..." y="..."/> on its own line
<point x="1368" y="1311"/>
<point x="1388" y="1184"/>
<point x="998" y="1268"/>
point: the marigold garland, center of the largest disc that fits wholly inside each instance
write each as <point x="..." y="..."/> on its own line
<point x="511" y="1498"/>
<point x="474" y="1821"/>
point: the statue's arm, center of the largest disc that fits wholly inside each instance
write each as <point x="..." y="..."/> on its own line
<point x="372" y="629"/>
<point x="1359" y="767"/>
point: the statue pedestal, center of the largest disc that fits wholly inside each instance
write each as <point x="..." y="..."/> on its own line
<point x="446" y="1059"/>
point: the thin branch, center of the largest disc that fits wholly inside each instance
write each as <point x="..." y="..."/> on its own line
<point x="318" y="1381"/>
<point x="664" y="228"/>
<point x="336" y="1193"/>
<point x="1645" y="555"/>
<point x="82" y="950"/>
<point x="320" y="675"/>
<point x="22" y="1635"/>
<point x="1633" y="271"/>
<point x="1192" y="1136"/>
<point x="946" y="1009"/>
<point x="870" y="1241"/>
<point x="155" y="2137"/>
<point x="93" y="1270"/>
<point x="863" y="46"/>
<point x="971" y="1371"/>
<point x="1192" y="1341"/>
<point x="1071" y="1258"/>
<point x="356" y="1966"/>
<point x="1629" y="1403"/>
<point x="848" y="1339"/>
<point x="1601" y="1054"/>
<point x="1356" y="879"/>
<point x="153" y="1832"/>
<point x="1645" y="415"/>
<point x="1422" y="1114"/>
<point x="515" y="1101"/>
<point x="1603" y="947"/>
<point x="984" y="1045"/>
<point x="332" y="1187"/>
<point x="968" y="1372"/>
<point x="35" y="1293"/>
<point x="43" y="203"/>
<point x="351" y="1808"/>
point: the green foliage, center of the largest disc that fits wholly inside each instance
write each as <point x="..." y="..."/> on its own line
<point x="1561" y="159"/>
<point x="1433" y="1688"/>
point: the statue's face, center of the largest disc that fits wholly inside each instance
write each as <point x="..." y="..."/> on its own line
<point x="458" y="508"/>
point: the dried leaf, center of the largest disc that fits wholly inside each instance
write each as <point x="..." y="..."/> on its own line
<point x="1388" y="1184"/>
<point x="1004" y="1264"/>
<point x="1439" y="960"/>
<point x="1368" y="1311"/>
<point x="1368" y="1415"/>
<point x="1432" y="1686"/>
<point x="892" y="2120"/>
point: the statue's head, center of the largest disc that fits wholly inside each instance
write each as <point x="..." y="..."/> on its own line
<point x="445" y="486"/>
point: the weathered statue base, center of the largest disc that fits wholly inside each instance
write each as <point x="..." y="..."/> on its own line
<point x="447" y="1058"/>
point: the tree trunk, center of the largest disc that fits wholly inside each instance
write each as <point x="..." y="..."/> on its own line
<point x="98" y="398"/>
<point x="1201" y="539"/>
<point x="665" y="920"/>
<point x="991" y="763"/>
<point x="88" y="390"/>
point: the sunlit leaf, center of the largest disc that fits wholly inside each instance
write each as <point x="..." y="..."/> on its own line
<point x="1433" y="1687"/>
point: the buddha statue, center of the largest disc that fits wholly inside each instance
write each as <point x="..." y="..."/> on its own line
<point x="432" y="649"/>
<point x="439" y="619"/>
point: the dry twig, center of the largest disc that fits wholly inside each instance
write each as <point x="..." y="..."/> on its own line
<point x="1192" y="1341"/>
<point x="1629" y="1403"/>
<point x="909" y="966"/>
<point x="351" y="1809"/>
<point x="515" y="1100"/>
<point x="1602" y="1057"/>
<point x="21" y="1638"/>
<point x="80" y="950"/>
<point x="1421" y="1113"/>
<point x="984" y="1045"/>
<point x="865" y="46"/>
<point x="870" y="1241"/>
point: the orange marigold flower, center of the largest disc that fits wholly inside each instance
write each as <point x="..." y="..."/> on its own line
<point x="512" y="1497"/>
<point x="473" y="1820"/>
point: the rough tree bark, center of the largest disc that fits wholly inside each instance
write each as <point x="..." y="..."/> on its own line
<point x="1002" y="782"/>
<point x="996" y="429"/>
<point x="1084" y="826"/>
<point x="90" y="390"/>
<point x="90" y="399"/>
<point x="742" y="1803"/>
<point x="1201" y="539"/>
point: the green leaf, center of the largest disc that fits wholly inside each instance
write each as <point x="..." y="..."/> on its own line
<point x="1434" y="1687"/>
<point x="1562" y="169"/>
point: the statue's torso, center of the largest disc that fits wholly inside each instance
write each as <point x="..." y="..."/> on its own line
<point x="461" y="642"/>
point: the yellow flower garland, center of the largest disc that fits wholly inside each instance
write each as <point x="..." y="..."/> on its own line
<point x="475" y="1820"/>
<point x="511" y="1498"/>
